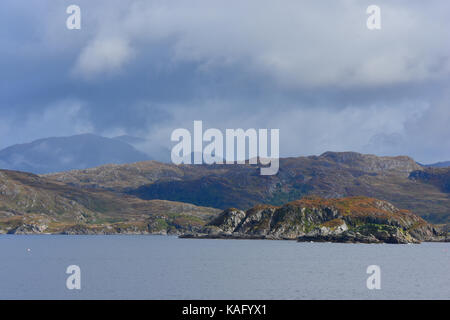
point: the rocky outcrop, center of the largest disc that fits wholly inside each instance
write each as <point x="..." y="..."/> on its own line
<point x="356" y="219"/>
<point x="29" y="229"/>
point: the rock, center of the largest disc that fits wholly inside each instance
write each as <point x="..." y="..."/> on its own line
<point x="356" y="219"/>
<point x="29" y="229"/>
<point x="229" y="220"/>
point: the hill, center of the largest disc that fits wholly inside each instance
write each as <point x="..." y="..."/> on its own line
<point x="33" y="204"/>
<point x="442" y="164"/>
<point x="356" y="219"/>
<point x="330" y="175"/>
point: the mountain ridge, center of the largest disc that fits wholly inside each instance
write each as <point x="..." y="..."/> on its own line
<point x="441" y="164"/>
<point x="66" y="153"/>
<point x="330" y="175"/>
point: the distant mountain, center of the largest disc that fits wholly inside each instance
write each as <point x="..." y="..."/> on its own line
<point x="443" y="164"/>
<point x="330" y="175"/>
<point x="68" y="153"/>
<point x="130" y="140"/>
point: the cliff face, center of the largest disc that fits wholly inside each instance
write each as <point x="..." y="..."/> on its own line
<point x="356" y="219"/>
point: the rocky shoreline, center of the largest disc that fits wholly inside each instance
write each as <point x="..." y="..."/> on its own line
<point x="346" y="238"/>
<point x="157" y="225"/>
<point x="346" y="220"/>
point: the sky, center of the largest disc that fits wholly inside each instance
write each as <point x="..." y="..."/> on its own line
<point x="311" y="69"/>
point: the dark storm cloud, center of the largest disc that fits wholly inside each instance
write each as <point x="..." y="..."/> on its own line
<point x="311" y="69"/>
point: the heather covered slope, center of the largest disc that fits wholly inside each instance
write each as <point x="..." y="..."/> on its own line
<point x="330" y="175"/>
<point x="355" y="219"/>
<point x="39" y="204"/>
<point x="33" y="204"/>
<point x="438" y="177"/>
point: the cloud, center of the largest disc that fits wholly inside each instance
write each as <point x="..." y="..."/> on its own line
<point x="103" y="56"/>
<point x="310" y="68"/>
<point x="63" y="118"/>
<point x="311" y="130"/>
<point x="297" y="44"/>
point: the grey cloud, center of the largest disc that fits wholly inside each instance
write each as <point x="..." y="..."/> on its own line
<point x="310" y="68"/>
<point x="297" y="44"/>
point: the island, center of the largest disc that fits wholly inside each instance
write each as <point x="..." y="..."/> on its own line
<point x="347" y="220"/>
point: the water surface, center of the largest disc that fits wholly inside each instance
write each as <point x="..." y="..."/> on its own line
<point x="164" y="267"/>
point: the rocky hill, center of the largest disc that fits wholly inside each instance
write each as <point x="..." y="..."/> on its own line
<point x="33" y="204"/>
<point x="330" y="175"/>
<point x="153" y="197"/>
<point x="356" y="219"/>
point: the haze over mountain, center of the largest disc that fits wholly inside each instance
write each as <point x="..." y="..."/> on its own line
<point x="153" y="148"/>
<point x="68" y="153"/>
<point x="442" y="164"/>
<point x="134" y="141"/>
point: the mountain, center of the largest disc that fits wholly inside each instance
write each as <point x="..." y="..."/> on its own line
<point x="149" y="196"/>
<point x="68" y="153"/>
<point x="330" y="175"/>
<point x="356" y="219"/>
<point x="31" y="204"/>
<point x="438" y="177"/>
<point x="131" y="140"/>
<point x="443" y="164"/>
<point x="34" y="204"/>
